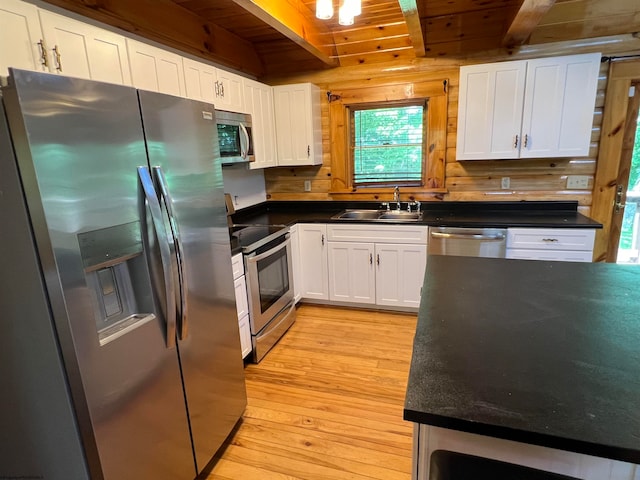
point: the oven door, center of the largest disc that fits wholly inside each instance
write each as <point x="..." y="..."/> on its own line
<point x="270" y="276"/>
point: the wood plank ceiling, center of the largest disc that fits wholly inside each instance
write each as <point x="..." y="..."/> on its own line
<point x="267" y="38"/>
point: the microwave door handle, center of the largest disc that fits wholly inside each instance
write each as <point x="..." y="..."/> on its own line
<point x="148" y="194"/>
<point x="178" y="254"/>
<point x="268" y="253"/>
<point x="244" y="151"/>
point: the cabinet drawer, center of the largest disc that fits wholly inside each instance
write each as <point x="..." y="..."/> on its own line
<point x="237" y="265"/>
<point x="551" y="238"/>
<point x="551" y="255"/>
<point x="378" y="233"/>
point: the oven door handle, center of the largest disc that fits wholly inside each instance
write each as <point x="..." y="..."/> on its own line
<point x="257" y="258"/>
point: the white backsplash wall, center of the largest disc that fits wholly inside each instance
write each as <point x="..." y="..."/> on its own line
<point x="246" y="187"/>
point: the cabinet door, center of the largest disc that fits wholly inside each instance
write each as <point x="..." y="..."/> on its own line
<point x="199" y="80"/>
<point x="351" y="272"/>
<point x="155" y="69"/>
<point x="313" y="261"/>
<point x="295" y="261"/>
<point x="242" y="304"/>
<point x="229" y="92"/>
<point x="19" y="35"/>
<point x="245" y="335"/>
<point x="490" y="110"/>
<point x="81" y="50"/>
<point x="559" y="106"/>
<point x="259" y="103"/>
<point x="298" y="124"/>
<point x="400" y="274"/>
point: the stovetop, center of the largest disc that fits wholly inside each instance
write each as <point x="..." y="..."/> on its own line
<point x="251" y="237"/>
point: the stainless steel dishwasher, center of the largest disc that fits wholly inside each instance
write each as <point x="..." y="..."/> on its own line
<point x="467" y="242"/>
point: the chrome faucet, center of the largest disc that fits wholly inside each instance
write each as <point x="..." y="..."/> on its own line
<point x="396" y="197"/>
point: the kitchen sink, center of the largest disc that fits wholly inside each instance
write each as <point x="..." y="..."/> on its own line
<point x="379" y="215"/>
<point x="359" y="215"/>
<point x="400" y="215"/>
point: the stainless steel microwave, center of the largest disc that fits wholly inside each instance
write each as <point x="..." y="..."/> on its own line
<point x="235" y="137"/>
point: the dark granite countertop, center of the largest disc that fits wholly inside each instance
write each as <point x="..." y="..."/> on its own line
<point x="546" y="353"/>
<point x="451" y="214"/>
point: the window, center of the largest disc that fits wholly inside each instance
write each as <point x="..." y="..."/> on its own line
<point x="388" y="134"/>
<point x="387" y="144"/>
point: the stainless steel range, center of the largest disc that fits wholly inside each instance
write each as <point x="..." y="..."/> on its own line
<point x="267" y="260"/>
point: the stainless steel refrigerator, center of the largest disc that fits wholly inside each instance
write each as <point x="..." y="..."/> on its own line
<point x="119" y="345"/>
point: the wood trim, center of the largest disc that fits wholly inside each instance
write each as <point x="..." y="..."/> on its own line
<point x="621" y="75"/>
<point x="297" y="22"/>
<point x="341" y="165"/>
<point x="412" y="19"/>
<point x="525" y="21"/>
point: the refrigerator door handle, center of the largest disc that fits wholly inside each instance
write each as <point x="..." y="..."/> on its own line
<point x="148" y="193"/>
<point x="181" y="277"/>
<point x="244" y="152"/>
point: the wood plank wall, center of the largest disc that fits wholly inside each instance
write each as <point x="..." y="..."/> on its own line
<point x="531" y="179"/>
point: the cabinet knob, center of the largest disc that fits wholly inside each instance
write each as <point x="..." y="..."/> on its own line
<point x="515" y="142"/>
<point x="371" y="259"/>
<point x="526" y="140"/>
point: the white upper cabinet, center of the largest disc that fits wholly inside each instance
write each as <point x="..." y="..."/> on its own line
<point x="258" y="100"/>
<point x="21" y="40"/>
<point x="490" y="110"/>
<point x="558" y="106"/>
<point x="527" y="109"/>
<point x="81" y="50"/>
<point x="199" y="80"/>
<point x="298" y="124"/>
<point x="155" y="69"/>
<point x="229" y="92"/>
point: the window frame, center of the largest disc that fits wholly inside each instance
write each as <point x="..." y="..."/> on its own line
<point x="424" y="103"/>
<point x="434" y="92"/>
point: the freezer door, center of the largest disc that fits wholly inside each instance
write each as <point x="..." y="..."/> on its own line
<point x="78" y="146"/>
<point x="181" y="137"/>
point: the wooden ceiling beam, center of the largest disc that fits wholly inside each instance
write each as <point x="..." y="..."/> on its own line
<point x="297" y="22"/>
<point x="412" y="18"/>
<point x="527" y="18"/>
<point x="170" y="24"/>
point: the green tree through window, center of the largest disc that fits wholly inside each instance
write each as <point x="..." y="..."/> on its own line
<point x="388" y="144"/>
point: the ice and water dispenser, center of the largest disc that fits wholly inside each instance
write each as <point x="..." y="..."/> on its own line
<point x="117" y="275"/>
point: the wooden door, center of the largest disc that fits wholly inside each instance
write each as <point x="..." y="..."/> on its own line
<point x="624" y="170"/>
<point x="312" y="239"/>
<point x="609" y="174"/>
<point x="351" y="272"/>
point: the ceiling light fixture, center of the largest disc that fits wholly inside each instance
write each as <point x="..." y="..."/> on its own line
<point x="324" y="9"/>
<point x="346" y="13"/>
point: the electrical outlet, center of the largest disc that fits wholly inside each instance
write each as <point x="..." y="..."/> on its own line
<point x="307" y="185"/>
<point x="505" y="183"/>
<point x="578" y="181"/>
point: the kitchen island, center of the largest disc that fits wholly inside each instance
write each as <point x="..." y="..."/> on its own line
<point x="528" y="362"/>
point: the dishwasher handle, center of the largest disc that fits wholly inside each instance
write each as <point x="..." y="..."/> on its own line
<point x="498" y="237"/>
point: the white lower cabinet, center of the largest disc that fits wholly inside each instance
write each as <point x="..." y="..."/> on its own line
<point x="351" y="272"/>
<point x="295" y="261"/>
<point x="400" y="274"/>
<point x="314" y="274"/>
<point x="374" y="264"/>
<point x="242" y="304"/>
<point x="559" y="244"/>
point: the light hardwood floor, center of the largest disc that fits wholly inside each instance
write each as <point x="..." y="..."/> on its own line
<point x="326" y="402"/>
